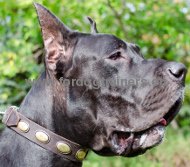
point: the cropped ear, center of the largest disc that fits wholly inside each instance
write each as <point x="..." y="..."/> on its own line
<point x="58" y="39"/>
<point x="94" y="29"/>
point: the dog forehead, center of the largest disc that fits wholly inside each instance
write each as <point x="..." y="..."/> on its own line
<point x="104" y="43"/>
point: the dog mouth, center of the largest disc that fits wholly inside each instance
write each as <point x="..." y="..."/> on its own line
<point x="134" y="143"/>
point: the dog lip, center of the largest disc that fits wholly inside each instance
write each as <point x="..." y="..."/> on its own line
<point x="170" y="115"/>
<point x="165" y="120"/>
<point x="124" y="145"/>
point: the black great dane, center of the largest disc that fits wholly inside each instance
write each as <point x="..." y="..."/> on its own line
<point x="110" y="118"/>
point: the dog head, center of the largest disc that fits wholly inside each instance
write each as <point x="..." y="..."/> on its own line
<point x="117" y="102"/>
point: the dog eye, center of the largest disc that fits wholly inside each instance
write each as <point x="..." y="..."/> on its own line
<point x="115" y="56"/>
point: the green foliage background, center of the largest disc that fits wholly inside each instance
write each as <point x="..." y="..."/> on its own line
<point x="160" y="27"/>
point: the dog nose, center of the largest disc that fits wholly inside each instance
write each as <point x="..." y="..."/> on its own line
<point x="177" y="71"/>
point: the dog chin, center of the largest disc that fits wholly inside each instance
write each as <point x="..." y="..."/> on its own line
<point x="149" y="139"/>
<point x="133" y="144"/>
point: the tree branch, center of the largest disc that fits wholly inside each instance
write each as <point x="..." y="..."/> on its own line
<point x="118" y="17"/>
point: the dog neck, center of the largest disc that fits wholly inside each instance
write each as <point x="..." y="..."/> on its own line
<point x="44" y="104"/>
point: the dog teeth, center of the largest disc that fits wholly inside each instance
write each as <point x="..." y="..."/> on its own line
<point x="115" y="139"/>
<point x="122" y="129"/>
<point x="143" y="138"/>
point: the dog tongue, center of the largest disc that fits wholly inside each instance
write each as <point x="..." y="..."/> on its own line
<point x="163" y="122"/>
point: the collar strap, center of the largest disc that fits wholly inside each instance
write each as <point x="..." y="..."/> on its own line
<point x="42" y="136"/>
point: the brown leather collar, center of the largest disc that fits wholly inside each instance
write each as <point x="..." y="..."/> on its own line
<point x="42" y="136"/>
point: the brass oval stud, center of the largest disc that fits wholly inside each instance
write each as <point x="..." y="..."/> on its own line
<point x="81" y="154"/>
<point x="23" y="126"/>
<point x="42" y="137"/>
<point x="63" y="148"/>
